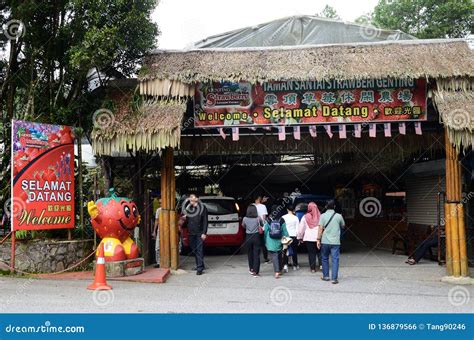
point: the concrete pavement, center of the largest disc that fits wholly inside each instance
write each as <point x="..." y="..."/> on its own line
<point x="370" y="282"/>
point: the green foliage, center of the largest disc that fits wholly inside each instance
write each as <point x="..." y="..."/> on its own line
<point x="426" y="18"/>
<point x="329" y="12"/>
<point x="365" y="19"/>
<point x="45" y="72"/>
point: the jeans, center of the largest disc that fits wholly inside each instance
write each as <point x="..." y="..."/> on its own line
<point x="294" y="248"/>
<point x="275" y="256"/>
<point x="332" y="249"/>
<point x="253" y="248"/>
<point x="264" y="248"/>
<point x="197" y="248"/>
<point x="423" y="247"/>
<point x="313" y="253"/>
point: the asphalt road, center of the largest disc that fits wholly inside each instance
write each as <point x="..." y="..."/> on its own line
<point x="370" y="282"/>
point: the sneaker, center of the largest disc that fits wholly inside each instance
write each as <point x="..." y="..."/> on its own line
<point x="325" y="278"/>
<point x="255" y="275"/>
<point x="294" y="267"/>
<point x="277" y="275"/>
<point x="285" y="268"/>
<point x="199" y="272"/>
<point x="334" y="282"/>
<point x="251" y="272"/>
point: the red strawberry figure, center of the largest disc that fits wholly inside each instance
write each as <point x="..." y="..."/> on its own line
<point x="114" y="219"/>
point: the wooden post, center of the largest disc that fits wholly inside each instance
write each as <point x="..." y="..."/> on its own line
<point x="456" y="254"/>
<point x="164" y="244"/>
<point x="174" y="240"/>
<point x="167" y="207"/>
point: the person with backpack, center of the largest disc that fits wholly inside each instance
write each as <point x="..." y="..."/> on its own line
<point x="262" y="214"/>
<point x="330" y="224"/>
<point x="308" y="232"/>
<point x="253" y="229"/>
<point x="274" y="230"/>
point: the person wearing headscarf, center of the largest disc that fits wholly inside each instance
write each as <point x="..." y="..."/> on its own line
<point x="308" y="232"/>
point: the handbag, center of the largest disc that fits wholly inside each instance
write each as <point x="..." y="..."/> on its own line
<point x="260" y="226"/>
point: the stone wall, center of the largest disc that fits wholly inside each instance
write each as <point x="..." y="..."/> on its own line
<point x="46" y="256"/>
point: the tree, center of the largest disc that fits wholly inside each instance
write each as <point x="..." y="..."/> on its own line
<point x="426" y="18"/>
<point x="50" y="49"/>
<point x="365" y="19"/>
<point x="329" y="12"/>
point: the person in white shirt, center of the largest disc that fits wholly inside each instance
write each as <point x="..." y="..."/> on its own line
<point x="292" y="224"/>
<point x="262" y="214"/>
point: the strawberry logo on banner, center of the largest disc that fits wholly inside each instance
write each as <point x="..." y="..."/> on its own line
<point x="311" y="102"/>
<point x="42" y="176"/>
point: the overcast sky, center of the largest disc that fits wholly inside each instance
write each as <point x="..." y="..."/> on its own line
<point x="185" y="21"/>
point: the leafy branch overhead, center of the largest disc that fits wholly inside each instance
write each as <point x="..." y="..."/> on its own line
<point x="426" y="19"/>
<point x="52" y="67"/>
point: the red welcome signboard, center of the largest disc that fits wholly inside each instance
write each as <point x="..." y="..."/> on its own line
<point x="226" y="104"/>
<point x="42" y="176"/>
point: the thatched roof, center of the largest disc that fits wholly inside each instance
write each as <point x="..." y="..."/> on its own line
<point x="129" y="124"/>
<point x="455" y="102"/>
<point x="399" y="59"/>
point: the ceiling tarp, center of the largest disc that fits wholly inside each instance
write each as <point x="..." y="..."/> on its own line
<point x="300" y="30"/>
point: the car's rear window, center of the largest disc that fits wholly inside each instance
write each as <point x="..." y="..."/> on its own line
<point x="219" y="207"/>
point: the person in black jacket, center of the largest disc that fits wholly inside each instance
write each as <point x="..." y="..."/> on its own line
<point x="196" y="220"/>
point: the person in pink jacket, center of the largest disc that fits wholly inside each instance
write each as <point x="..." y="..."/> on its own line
<point x="308" y="232"/>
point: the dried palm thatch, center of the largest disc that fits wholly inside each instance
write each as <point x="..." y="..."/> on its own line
<point x="399" y="147"/>
<point x="399" y="59"/>
<point x="134" y="126"/>
<point x="454" y="99"/>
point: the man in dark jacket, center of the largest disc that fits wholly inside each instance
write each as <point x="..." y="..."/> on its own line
<point x="196" y="220"/>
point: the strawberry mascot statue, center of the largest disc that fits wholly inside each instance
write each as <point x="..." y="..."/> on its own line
<point x="114" y="219"/>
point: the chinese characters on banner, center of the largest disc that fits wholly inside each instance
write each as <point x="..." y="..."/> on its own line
<point x="42" y="176"/>
<point x="222" y="104"/>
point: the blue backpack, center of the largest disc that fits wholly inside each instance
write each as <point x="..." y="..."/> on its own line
<point x="275" y="230"/>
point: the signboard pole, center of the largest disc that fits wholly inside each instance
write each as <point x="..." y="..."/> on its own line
<point x="12" y="257"/>
<point x="79" y="179"/>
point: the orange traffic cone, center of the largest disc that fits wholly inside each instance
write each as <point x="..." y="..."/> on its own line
<point x="99" y="279"/>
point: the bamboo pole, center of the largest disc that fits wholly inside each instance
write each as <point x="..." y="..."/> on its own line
<point x="456" y="253"/>
<point x="447" y="207"/>
<point x="455" y="239"/>
<point x="447" y="231"/>
<point x="462" y="242"/>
